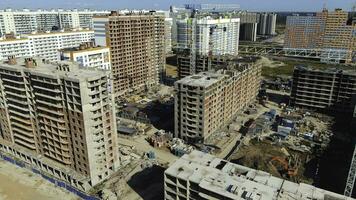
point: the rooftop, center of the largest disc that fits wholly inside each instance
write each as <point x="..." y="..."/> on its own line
<point x="63" y="68"/>
<point x="85" y="47"/>
<point x="202" y="79"/>
<point x="235" y="181"/>
<point x="331" y="70"/>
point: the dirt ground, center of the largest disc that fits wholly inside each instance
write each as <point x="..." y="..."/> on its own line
<point x="258" y="156"/>
<point x="171" y="70"/>
<point x="19" y="184"/>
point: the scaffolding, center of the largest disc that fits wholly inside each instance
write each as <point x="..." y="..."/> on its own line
<point x="324" y="55"/>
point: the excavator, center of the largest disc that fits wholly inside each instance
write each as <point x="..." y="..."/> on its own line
<point x="286" y="166"/>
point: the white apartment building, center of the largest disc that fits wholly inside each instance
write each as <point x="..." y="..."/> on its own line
<point x="168" y="23"/>
<point x="88" y="56"/>
<point x="44" y="45"/>
<point x="212" y="36"/>
<point x="218" y="36"/>
<point x="26" y="21"/>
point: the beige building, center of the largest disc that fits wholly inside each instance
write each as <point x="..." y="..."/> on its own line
<point x="58" y="119"/>
<point x="206" y="101"/>
<point x="137" y="49"/>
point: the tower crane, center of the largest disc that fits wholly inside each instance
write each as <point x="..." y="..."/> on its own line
<point x="351" y="177"/>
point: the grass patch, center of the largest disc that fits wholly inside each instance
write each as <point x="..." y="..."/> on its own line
<point x="288" y="68"/>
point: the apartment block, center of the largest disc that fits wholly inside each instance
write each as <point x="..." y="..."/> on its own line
<point x="168" y="23"/>
<point x="330" y="31"/>
<point x="208" y="35"/>
<point x="45" y="45"/>
<point x="266" y="23"/>
<point x="303" y="32"/>
<point x="136" y="42"/>
<point x="202" y="176"/>
<point x="88" y="55"/>
<point x="58" y="118"/>
<point x="332" y="89"/>
<point x="26" y="21"/>
<point x="206" y="101"/>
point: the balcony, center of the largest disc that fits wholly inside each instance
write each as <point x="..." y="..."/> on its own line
<point x="49" y="104"/>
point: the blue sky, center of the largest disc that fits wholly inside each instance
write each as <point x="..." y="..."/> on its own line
<point x="254" y="5"/>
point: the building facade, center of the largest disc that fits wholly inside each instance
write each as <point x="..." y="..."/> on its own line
<point x="168" y="24"/>
<point x="45" y="45"/>
<point x="330" y="31"/>
<point x="330" y="89"/>
<point x="206" y="101"/>
<point x="58" y="119"/>
<point x="88" y="55"/>
<point x="202" y="176"/>
<point x="26" y="21"/>
<point x="266" y="24"/>
<point x="213" y="36"/>
<point x="137" y="49"/>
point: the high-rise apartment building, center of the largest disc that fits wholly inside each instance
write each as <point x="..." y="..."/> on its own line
<point x="206" y="101"/>
<point x="88" y="55"/>
<point x="267" y="23"/>
<point x="58" y="119"/>
<point x="209" y="36"/>
<point x="168" y="23"/>
<point x="200" y="175"/>
<point x="331" y="89"/>
<point x="45" y="45"/>
<point x="331" y="32"/>
<point x="137" y="49"/>
<point x="26" y="21"/>
<point x="248" y="25"/>
<point x="205" y="36"/>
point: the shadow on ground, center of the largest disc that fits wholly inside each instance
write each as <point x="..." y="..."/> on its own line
<point x="161" y="115"/>
<point x="149" y="183"/>
<point x="330" y="170"/>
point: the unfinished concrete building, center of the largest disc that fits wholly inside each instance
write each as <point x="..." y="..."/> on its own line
<point x="331" y="89"/>
<point x="200" y="175"/>
<point x="202" y="63"/>
<point x="58" y="119"/>
<point x="137" y="49"/>
<point x="206" y="101"/>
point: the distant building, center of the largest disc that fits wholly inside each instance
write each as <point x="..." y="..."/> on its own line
<point x="202" y="176"/>
<point x="330" y="32"/>
<point x="266" y="23"/>
<point x="213" y="36"/>
<point x="168" y="23"/>
<point x="45" y="45"/>
<point x="88" y="55"/>
<point x="58" y="118"/>
<point x="213" y="7"/>
<point x="26" y="21"/>
<point x="138" y="61"/>
<point x="206" y="101"/>
<point x="332" y="89"/>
